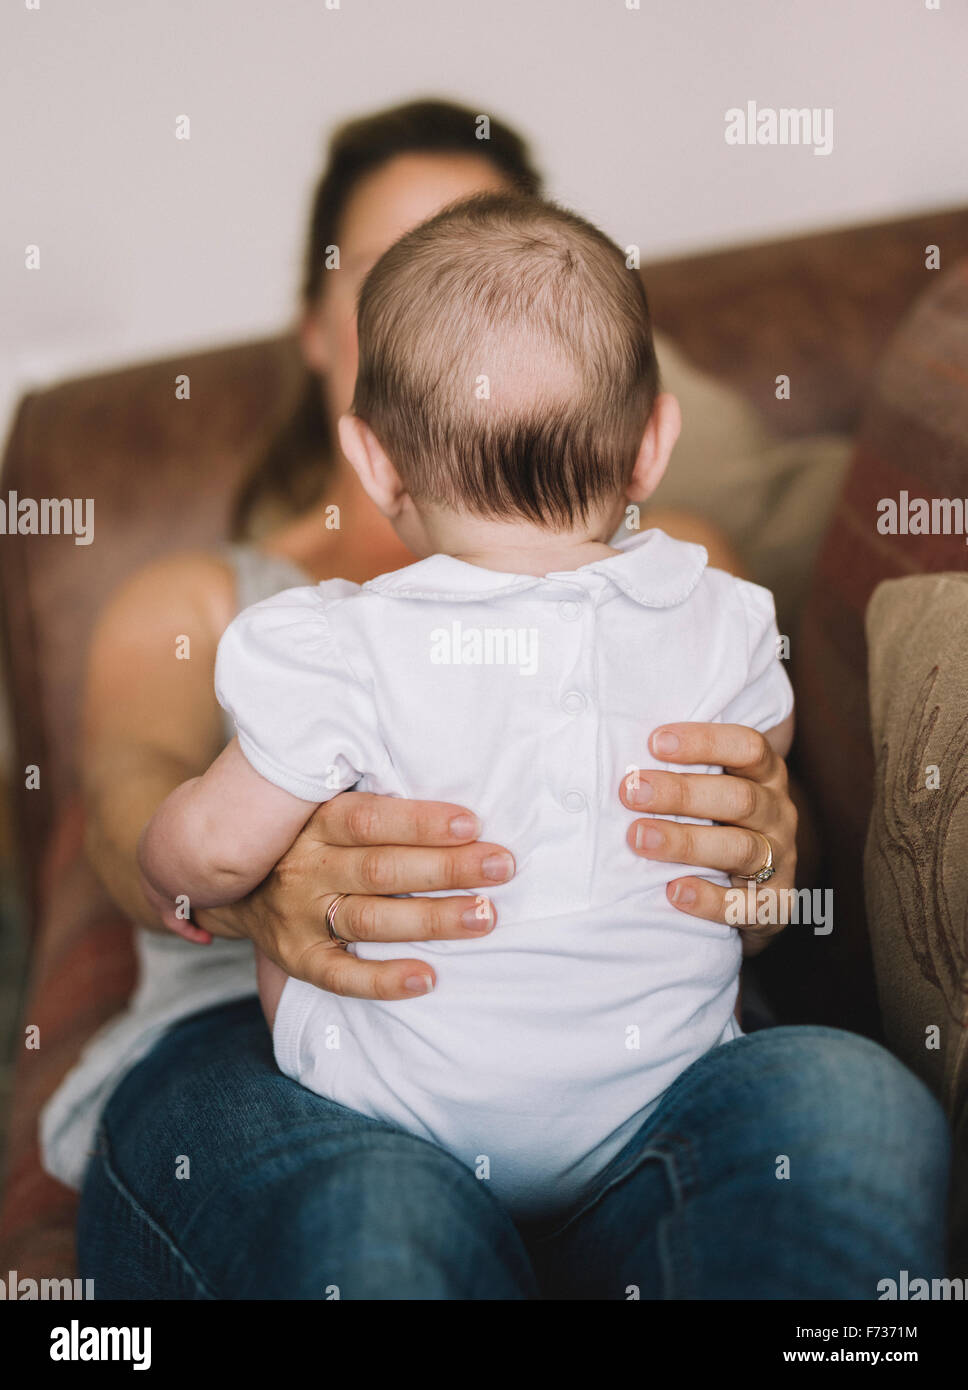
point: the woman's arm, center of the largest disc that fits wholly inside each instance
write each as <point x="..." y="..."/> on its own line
<point x="150" y="718"/>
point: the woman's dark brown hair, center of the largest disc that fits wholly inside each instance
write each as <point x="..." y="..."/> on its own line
<point x="292" y="472"/>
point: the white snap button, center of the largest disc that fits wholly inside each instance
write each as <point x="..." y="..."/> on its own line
<point x="569" y="610"/>
<point x="573" y="702"/>
<point x="574" y="801"/>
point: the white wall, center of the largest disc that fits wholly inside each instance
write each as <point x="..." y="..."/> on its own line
<point x="149" y="243"/>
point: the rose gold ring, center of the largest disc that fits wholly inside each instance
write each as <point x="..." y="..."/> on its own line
<point x="331" y="918"/>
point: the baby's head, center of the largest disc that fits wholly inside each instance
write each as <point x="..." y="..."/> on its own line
<point x="507" y="374"/>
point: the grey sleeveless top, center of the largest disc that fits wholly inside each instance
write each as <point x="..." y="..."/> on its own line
<point x="175" y="978"/>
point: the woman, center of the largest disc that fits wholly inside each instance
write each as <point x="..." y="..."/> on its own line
<point x="212" y="1176"/>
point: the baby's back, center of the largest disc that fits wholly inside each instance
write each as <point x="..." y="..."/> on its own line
<point x="546" y="1042"/>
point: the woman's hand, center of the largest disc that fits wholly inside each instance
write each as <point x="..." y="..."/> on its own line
<point x="369" y="847"/>
<point x="751" y="795"/>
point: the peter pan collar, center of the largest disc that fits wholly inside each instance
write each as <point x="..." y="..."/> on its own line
<point x="651" y="568"/>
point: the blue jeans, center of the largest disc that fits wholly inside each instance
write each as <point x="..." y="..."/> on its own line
<point x="792" y="1163"/>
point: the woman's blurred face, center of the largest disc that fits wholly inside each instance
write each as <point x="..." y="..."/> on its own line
<point x="384" y="205"/>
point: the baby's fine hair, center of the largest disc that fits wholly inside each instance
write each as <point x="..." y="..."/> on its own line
<point x="506" y="362"/>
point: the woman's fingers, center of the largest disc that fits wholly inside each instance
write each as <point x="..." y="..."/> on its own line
<point x="379" y="845"/>
<point x="731" y="800"/>
<point x="363" y="818"/>
<point x="329" y="967"/>
<point x="750" y="796"/>
<point x="731" y="746"/>
<point x="730" y="848"/>
<point x="760" y="909"/>
<point x="385" y="869"/>
<point x="366" y="918"/>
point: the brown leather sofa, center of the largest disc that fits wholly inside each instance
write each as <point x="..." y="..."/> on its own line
<point x="162" y="473"/>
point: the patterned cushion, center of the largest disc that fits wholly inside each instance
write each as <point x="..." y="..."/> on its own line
<point x="916" y="861"/>
<point x="83" y="971"/>
<point x="913" y="438"/>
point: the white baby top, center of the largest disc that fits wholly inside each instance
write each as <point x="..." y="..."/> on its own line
<point x="548" y="1042"/>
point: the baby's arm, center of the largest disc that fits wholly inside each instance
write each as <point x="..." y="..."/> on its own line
<point x="216" y="837"/>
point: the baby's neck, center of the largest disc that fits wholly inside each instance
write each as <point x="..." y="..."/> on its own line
<point x="520" y="549"/>
<point x="553" y="559"/>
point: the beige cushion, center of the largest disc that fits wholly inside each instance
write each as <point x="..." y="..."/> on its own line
<point x="772" y="497"/>
<point x="916" y="858"/>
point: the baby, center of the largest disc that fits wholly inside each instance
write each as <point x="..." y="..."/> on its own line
<point x="507" y="419"/>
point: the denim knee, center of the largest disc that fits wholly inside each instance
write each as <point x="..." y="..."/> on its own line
<point x="856" y="1083"/>
<point x="385" y="1217"/>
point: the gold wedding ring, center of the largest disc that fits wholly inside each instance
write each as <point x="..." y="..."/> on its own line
<point x="767" y="870"/>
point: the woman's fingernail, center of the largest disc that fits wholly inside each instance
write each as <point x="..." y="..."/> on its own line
<point x="480" y="917"/>
<point x="647" y="837"/>
<point x="465" y="827"/>
<point x="418" y="984"/>
<point x="665" y="743"/>
<point x="642" y="795"/>
<point x="497" y="867"/>
<point x="682" y="895"/>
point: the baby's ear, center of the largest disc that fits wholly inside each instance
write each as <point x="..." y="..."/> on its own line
<point x="352" y="440"/>
<point x="380" y="479"/>
<point x="658" y="442"/>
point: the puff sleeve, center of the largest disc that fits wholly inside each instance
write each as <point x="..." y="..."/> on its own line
<point x="767" y="697"/>
<point x="303" y="720"/>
